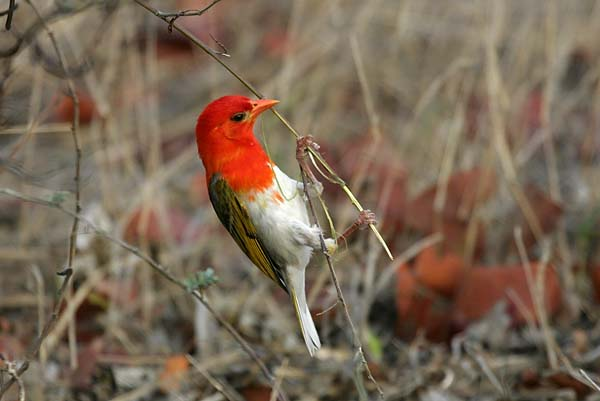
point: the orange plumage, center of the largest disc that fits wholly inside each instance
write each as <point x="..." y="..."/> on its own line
<point x="263" y="209"/>
<point x="230" y="148"/>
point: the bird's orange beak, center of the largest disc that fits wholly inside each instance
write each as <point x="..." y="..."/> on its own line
<point x="261" y="105"/>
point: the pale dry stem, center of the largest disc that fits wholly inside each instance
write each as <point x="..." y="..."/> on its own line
<point x="77" y="150"/>
<point x="536" y="289"/>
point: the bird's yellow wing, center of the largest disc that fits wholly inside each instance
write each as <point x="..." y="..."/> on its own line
<point x="235" y="218"/>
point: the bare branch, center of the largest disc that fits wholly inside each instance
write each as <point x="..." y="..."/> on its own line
<point x="224" y="52"/>
<point x="12" y="6"/>
<point x="170" y="18"/>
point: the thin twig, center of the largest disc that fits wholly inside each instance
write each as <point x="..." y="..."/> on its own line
<point x="285" y="122"/>
<point x="278" y="380"/>
<point x="494" y="86"/>
<point x="356" y="343"/>
<point x="536" y="289"/>
<point x="475" y="353"/>
<point x="172" y="17"/>
<point x="328" y="309"/>
<point x="12" y="6"/>
<point x="72" y="305"/>
<point x="589" y="380"/>
<point x="74" y="130"/>
<point x="158" y="268"/>
<point x="221" y="387"/>
<point x="224" y="52"/>
<point x="77" y="148"/>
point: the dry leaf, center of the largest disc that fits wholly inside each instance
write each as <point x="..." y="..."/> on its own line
<point x="256" y="393"/>
<point x="173" y="373"/>
<point x="564" y="380"/>
<point x="485" y="286"/>
<point x="63" y="110"/>
<point x="420" y="309"/>
<point x="464" y="190"/>
<point x="439" y="272"/>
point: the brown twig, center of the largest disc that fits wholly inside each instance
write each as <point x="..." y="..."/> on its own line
<point x="356" y="343"/>
<point x="158" y="268"/>
<point x="224" y="52"/>
<point x="34" y="348"/>
<point x="27" y="36"/>
<point x="74" y="131"/>
<point x="172" y="17"/>
<point x="12" y="6"/>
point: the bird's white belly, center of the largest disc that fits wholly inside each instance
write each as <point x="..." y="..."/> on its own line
<point x="281" y="220"/>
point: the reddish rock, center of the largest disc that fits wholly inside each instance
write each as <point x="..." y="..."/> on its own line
<point x="486" y="286"/>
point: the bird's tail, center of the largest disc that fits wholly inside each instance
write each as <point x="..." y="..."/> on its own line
<point x="295" y="283"/>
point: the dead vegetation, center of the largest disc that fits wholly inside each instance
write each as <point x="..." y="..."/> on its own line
<point x="471" y="128"/>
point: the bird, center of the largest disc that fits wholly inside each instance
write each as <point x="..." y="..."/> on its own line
<point x="262" y="208"/>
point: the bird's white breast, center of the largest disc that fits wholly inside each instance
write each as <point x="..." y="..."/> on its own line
<point x="277" y="214"/>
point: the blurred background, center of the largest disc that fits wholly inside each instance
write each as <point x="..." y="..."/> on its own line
<point x="470" y="127"/>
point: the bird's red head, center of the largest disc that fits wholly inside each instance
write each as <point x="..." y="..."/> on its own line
<point x="226" y="142"/>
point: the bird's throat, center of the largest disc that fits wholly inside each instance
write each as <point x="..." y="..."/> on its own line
<point x="244" y="165"/>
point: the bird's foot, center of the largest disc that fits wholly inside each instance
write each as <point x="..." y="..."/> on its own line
<point x="303" y="144"/>
<point x="331" y="245"/>
<point x="364" y="219"/>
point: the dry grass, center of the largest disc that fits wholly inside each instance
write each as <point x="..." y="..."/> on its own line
<point x="423" y="88"/>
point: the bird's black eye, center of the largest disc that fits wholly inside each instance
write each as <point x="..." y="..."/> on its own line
<point x="237" y="117"/>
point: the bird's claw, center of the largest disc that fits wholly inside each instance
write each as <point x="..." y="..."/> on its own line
<point x="365" y="218"/>
<point x="303" y="144"/>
